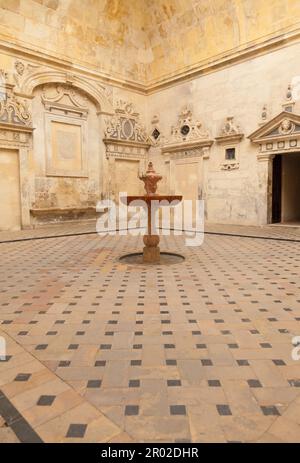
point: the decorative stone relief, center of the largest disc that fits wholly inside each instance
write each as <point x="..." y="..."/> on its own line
<point x="64" y="99"/>
<point x="279" y="135"/>
<point x="155" y="133"/>
<point x="66" y="134"/>
<point x="15" y="116"/>
<point x="232" y="165"/>
<point x="186" y="128"/>
<point x="263" y="115"/>
<point x="19" y="67"/>
<point x="13" y="110"/>
<point x="187" y="137"/>
<point x="124" y="135"/>
<point x="125" y="139"/>
<point x="125" y="125"/>
<point x="230" y="132"/>
<point x="229" y="137"/>
<point x="289" y="103"/>
<point x="27" y="76"/>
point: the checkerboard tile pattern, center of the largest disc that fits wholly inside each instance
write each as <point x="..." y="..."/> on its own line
<point x="102" y="351"/>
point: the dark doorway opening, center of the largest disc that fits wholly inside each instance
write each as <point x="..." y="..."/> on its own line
<point x="276" y="188"/>
<point x="286" y="189"/>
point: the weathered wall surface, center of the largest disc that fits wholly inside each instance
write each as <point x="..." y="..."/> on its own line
<point x="184" y="33"/>
<point x="10" y="217"/>
<point x="105" y="35"/>
<point x="240" y="91"/>
<point x="63" y="164"/>
<point x="141" y="40"/>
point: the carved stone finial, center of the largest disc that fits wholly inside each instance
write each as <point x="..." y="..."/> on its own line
<point x="264" y="113"/>
<point x="289" y="93"/>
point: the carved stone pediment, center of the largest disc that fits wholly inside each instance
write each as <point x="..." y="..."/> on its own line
<point x="14" y="110"/>
<point x="125" y="128"/>
<point x="278" y="135"/>
<point x="188" y="134"/>
<point x="28" y="76"/>
<point x="64" y="98"/>
<point x="230" y="132"/>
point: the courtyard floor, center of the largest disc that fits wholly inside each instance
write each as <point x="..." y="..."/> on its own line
<point x="102" y="351"/>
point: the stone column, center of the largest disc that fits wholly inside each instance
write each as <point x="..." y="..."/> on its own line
<point x="24" y="188"/>
<point x="204" y="178"/>
<point x="264" y="202"/>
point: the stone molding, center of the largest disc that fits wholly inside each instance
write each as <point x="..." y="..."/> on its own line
<point x="279" y="135"/>
<point x="14" y="110"/>
<point x="28" y="76"/>
<point x="235" y="56"/>
<point x="75" y="103"/>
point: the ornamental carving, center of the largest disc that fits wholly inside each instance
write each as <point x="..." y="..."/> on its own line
<point x="63" y="98"/>
<point x="187" y="136"/>
<point x="279" y="135"/>
<point x="155" y="134"/>
<point x="27" y="76"/>
<point x="63" y="95"/>
<point x="230" y="132"/>
<point x="186" y="128"/>
<point x="286" y="127"/>
<point x="13" y="110"/>
<point x="125" y="125"/>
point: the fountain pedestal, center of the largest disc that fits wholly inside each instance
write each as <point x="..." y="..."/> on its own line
<point x="151" y="250"/>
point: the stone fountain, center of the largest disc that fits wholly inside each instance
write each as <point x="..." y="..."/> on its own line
<point x="151" y="251"/>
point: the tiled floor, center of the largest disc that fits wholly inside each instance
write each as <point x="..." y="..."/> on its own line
<point x="102" y="351"/>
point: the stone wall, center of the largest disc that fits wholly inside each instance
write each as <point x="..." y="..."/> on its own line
<point x="241" y="91"/>
<point x="143" y="41"/>
<point x="64" y="178"/>
<point x="105" y="35"/>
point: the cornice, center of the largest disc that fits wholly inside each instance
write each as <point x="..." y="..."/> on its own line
<point x="175" y="147"/>
<point x="39" y="57"/>
<point x="129" y="143"/>
<point x="229" y="58"/>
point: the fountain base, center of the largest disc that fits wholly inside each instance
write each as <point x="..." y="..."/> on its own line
<point x="165" y="258"/>
<point x="151" y="251"/>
